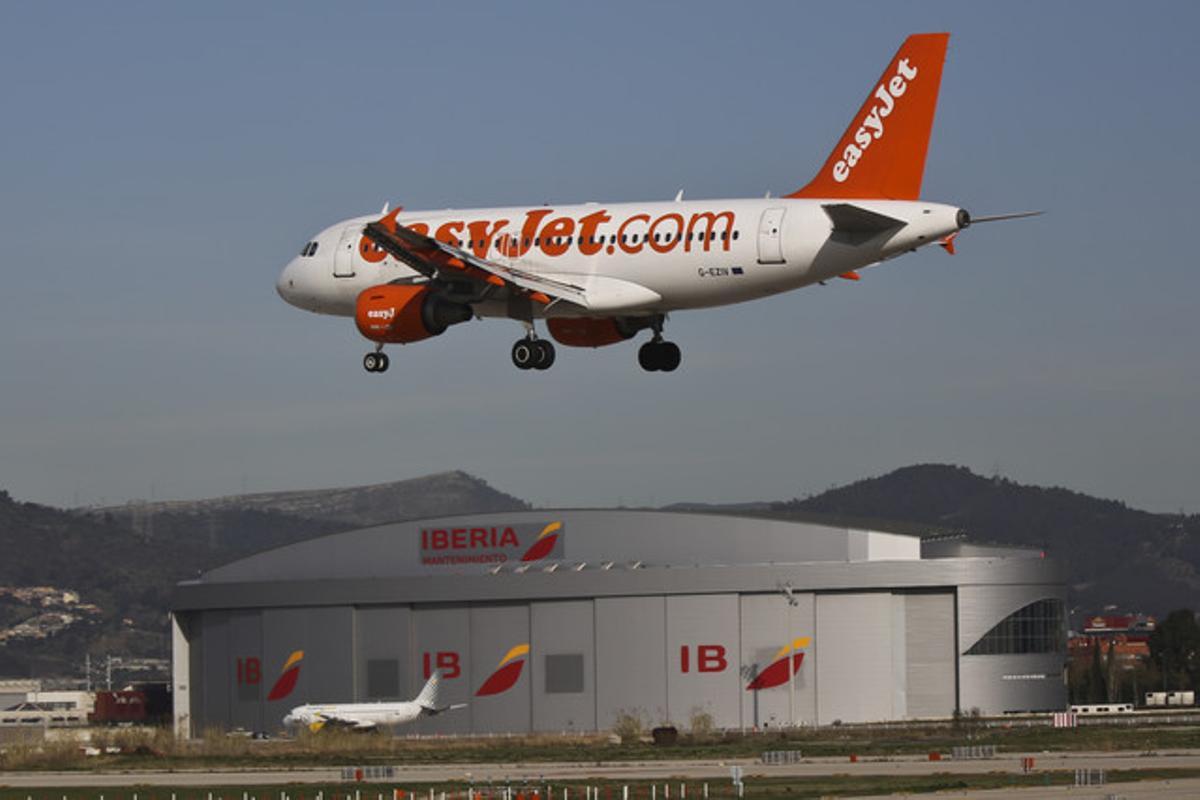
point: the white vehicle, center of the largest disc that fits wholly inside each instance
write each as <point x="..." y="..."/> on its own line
<point x="599" y="273"/>
<point x="369" y="716"/>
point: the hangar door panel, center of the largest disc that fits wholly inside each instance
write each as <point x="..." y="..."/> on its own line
<point x="702" y="655"/>
<point x="631" y="668"/>
<point x="929" y="652"/>
<point x="317" y="641"/>
<point x="247" y="670"/>
<point x="212" y="706"/>
<point x="562" y="666"/>
<point x="854" y="662"/>
<point x="500" y="655"/>
<point x="442" y="640"/>
<point x="381" y="654"/>
<point x="774" y="631"/>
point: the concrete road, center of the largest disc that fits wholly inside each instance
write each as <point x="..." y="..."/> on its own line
<point x="640" y="770"/>
<point x="1187" y="789"/>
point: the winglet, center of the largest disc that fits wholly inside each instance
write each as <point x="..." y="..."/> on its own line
<point x="882" y="153"/>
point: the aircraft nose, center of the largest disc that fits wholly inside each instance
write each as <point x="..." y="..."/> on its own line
<point x="285" y="285"/>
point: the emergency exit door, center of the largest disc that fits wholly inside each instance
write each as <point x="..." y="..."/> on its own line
<point x="770" y="236"/>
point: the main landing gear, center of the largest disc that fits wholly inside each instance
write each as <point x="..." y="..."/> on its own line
<point x="658" y="355"/>
<point x="532" y="353"/>
<point x="376" y="362"/>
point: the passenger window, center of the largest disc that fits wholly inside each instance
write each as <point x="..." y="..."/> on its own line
<point x="735" y="235"/>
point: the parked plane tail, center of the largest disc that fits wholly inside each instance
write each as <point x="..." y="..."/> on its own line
<point x="428" y="698"/>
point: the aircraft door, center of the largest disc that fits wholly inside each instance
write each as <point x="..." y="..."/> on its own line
<point x="343" y="259"/>
<point x="770" y="237"/>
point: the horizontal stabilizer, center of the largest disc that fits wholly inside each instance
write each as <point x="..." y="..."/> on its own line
<point x="849" y="218"/>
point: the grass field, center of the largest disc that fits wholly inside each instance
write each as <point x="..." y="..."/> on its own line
<point x="766" y="789"/>
<point x="157" y="749"/>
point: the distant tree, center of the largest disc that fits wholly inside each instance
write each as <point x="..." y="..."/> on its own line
<point x="1175" y="647"/>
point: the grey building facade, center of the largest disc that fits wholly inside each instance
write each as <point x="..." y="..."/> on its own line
<point x="562" y="620"/>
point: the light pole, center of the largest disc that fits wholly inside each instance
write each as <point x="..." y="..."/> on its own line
<point x="792" y="602"/>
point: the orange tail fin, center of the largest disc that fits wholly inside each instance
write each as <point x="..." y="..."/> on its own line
<point x="882" y="154"/>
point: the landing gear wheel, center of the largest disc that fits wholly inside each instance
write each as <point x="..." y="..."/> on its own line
<point x="659" y="356"/>
<point x="524" y="353"/>
<point x="668" y="355"/>
<point x="384" y="363"/>
<point x="648" y="356"/>
<point x="371" y="362"/>
<point x="543" y="354"/>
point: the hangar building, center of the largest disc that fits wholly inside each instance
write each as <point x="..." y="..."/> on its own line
<point x="561" y="620"/>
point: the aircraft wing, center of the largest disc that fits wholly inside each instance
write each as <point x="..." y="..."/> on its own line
<point x="337" y="721"/>
<point x="437" y="259"/>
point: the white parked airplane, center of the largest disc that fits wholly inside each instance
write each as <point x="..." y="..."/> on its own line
<point x="369" y="716"/>
<point x="599" y="273"/>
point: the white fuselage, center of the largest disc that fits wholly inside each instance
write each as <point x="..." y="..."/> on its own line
<point x="633" y="258"/>
<point x="355" y="715"/>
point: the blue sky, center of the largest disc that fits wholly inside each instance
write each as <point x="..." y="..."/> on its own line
<point x="159" y="163"/>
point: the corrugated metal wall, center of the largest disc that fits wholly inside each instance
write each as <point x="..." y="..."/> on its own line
<point x="577" y="664"/>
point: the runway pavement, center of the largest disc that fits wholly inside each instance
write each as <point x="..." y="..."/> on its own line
<point x="641" y="770"/>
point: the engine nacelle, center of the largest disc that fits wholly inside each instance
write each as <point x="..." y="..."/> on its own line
<point x="400" y="314"/>
<point x="589" y="331"/>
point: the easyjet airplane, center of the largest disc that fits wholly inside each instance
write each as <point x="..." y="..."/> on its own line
<point x="599" y="273"/>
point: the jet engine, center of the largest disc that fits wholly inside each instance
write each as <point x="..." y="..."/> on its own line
<point x="589" y="331"/>
<point x="400" y="314"/>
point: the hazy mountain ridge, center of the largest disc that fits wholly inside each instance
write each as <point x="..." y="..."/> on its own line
<point x="375" y="504"/>
<point x="126" y="559"/>
<point x="1113" y="554"/>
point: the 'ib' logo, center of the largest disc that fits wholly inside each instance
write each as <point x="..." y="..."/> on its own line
<point x="287" y="677"/>
<point x="544" y="544"/>
<point x="507" y="673"/>
<point x="776" y="673"/>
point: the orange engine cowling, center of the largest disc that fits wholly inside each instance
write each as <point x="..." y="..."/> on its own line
<point x="401" y="314"/>
<point x="588" y="331"/>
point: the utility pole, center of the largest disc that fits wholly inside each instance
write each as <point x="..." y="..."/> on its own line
<point x="108" y="673"/>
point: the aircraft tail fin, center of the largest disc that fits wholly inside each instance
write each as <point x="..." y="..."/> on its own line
<point x="428" y="697"/>
<point x="882" y="153"/>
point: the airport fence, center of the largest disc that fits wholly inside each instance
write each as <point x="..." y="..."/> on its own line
<point x="780" y="757"/>
<point x="975" y="751"/>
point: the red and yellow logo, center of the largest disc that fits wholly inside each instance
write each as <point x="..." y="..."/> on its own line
<point x="544" y="544"/>
<point x="507" y="673"/>
<point x="287" y="677"/>
<point x="786" y="663"/>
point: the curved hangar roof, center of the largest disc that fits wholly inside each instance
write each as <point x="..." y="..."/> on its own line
<point x="519" y="555"/>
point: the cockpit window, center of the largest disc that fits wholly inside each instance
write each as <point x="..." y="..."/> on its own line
<point x="309" y="249"/>
<point x="312" y="251"/>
